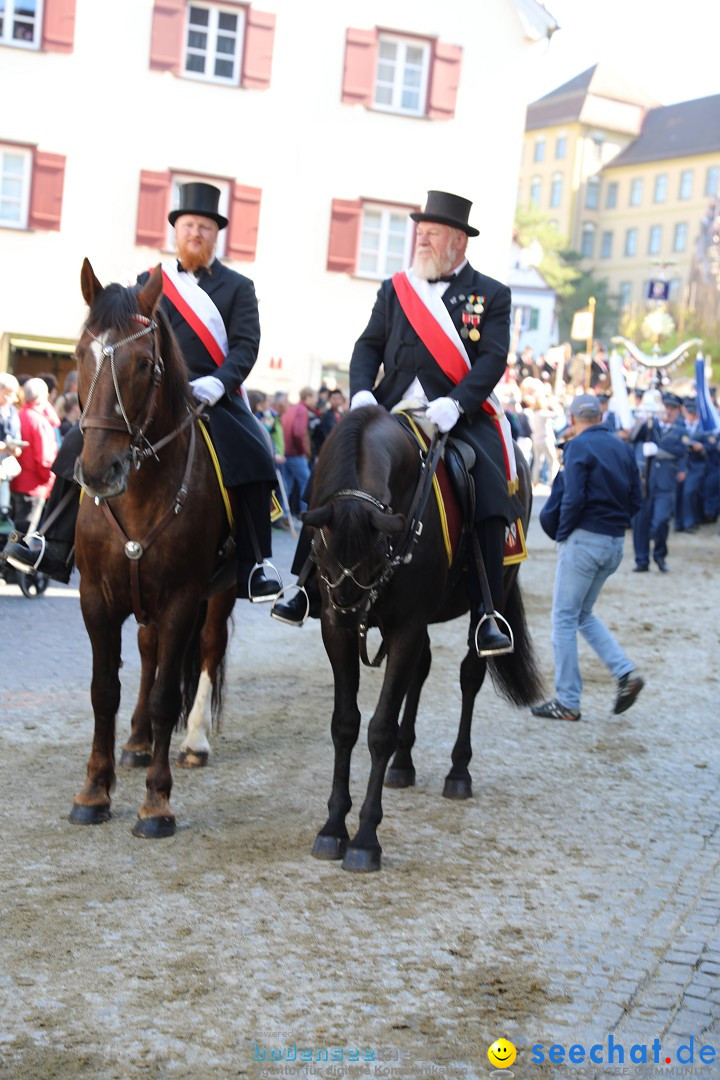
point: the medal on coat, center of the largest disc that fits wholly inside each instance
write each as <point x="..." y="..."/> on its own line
<point x="471" y="317"/>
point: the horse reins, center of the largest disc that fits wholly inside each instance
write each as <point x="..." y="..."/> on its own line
<point x="135" y="549"/>
<point x="397" y="555"/>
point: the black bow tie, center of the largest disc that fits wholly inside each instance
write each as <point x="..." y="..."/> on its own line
<point x="445" y="277"/>
<point x="200" y="272"/>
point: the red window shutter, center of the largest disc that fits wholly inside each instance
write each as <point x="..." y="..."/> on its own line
<point x="360" y="64"/>
<point x="258" y="50"/>
<point x="344" y="235"/>
<point x="166" y="40"/>
<point x="46" y="193"/>
<point x="444" y="81"/>
<point x="244" y="218"/>
<point x="58" y="33"/>
<point x="153" y="206"/>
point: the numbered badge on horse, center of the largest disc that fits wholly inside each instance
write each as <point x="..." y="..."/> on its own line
<point x="383" y="563"/>
<point x="152" y="538"/>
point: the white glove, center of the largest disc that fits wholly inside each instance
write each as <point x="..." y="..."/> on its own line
<point x="363" y="397"/>
<point x="650" y="449"/>
<point x="443" y="412"/>
<point x="207" y="389"/>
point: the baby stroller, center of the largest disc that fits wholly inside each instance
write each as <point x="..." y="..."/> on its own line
<point x="32" y="586"/>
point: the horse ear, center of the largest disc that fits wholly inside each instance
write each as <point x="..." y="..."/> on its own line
<point x="91" y="287"/>
<point x="149" y="295"/>
<point x="321" y="515"/>
<point x="388" y="524"/>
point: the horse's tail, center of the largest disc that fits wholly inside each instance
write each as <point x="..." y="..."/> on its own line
<point x="190" y="672"/>
<point x="516" y="675"/>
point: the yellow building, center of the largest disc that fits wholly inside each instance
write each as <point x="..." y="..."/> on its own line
<point x="629" y="182"/>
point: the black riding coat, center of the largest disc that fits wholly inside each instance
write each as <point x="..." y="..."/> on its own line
<point x="389" y="340"/>
<point x="237" y="437"/>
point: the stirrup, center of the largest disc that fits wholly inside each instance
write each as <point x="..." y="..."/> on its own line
<point x="263" y="599"/>
<point x="27" y="567"/>
<point x="494" y="652"/>
<point x="286" y="589"/>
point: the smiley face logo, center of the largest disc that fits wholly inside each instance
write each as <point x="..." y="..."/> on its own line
<point x="502" y="1053"/>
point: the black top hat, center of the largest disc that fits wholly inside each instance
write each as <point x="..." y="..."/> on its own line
<point x="200" y="199"/>
<point x="448" y="209"/>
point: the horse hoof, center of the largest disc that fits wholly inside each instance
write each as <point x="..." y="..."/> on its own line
<point x="82" y="814"/>
<point x="135" y="759"/>
<point x="155" y="828"/>
<point x="329" y="847"/>
<point x="192" y="759"/>
<point x="361" y="860"/>
<point x="400" y="778"/>
<point x="458" y="788"/>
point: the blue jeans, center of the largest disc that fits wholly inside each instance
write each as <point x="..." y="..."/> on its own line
<point x="585" y="562"/>
<point x="296" y="471"/>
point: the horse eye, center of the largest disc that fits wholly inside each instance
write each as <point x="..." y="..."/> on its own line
<point x="143" y="363"/>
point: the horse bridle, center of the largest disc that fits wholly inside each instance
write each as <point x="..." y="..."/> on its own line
<point x="140" y="446"/>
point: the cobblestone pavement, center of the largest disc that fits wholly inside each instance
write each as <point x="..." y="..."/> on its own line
<point x="581" y="882"/>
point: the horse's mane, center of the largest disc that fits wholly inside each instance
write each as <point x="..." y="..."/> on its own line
<point x="338" y="469"/>
<point x="115" y="307"/>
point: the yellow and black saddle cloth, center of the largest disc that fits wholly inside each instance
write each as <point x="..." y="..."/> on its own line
<point x="455" y="493"/>
<point x="276" y="510"/>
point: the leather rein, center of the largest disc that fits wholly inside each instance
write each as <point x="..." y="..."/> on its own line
<point x="140" y="447"/>
<point x="399" y="554"/>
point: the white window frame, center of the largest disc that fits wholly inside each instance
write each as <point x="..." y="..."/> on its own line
<point x="561" y="147"/>
<point x="685" y="187"/>
<point x="606" y="244"/>
<point x="655" y="240"/>
<point x="587" y="240"/>
<point x="681" y="231"/>
<point x="660" y="189"/>
<point x="381" y="254"/>
<point x="712" y="181"/>
<point x="176" y="180"/>
<point x="10" y="18"/>
<point x="535" y="187"/>
<point x="211" y="54"/>
<point x="625" y="294"/>
<point x="400" y="65"/>
<point x="556" y="190"/>
<point x="631" y="242"/>
<point x="25" y="180"/>
<point x="592" y="192"/>
<point x="611" y="197"/>
<point x="636" y="191"/>
<point x="539" y="150"/>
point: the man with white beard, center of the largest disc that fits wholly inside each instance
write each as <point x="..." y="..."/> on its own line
<point x="441" y="333"/>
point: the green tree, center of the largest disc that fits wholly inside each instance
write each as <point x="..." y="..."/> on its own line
<point x="560" y="267"/>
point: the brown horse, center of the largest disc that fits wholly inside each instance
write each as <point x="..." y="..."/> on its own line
<point x="364" y="490"/>
<point x="150" y="529"/>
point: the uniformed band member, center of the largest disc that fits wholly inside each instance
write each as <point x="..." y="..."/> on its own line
<point x="220" y="352"/>
<point x="658" y="437"/>
<point x="443" y="292"/>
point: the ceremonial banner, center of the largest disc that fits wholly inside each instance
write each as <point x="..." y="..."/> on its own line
<point x="709" y="420"/>
<point x="619" y="404"/>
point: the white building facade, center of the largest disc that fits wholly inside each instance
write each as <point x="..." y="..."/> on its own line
<point x="322" y="123"/>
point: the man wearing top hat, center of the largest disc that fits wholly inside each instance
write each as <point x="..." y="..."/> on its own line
<point x="213" y="312"/>
<point x="473" y="310"/>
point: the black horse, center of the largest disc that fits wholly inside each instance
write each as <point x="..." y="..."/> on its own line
<point x="364" y="489"/>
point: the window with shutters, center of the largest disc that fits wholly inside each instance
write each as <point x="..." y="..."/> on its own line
<point x="401" y="78"/>
<point x="15" y="175"/>
<point x="393" y="72"/>
<point x="176" y="182"/>
<point x="21" y="23"/>
<point x="160" y="193"/>
<point x="213" y="43"/>
<point x="386" y="237"/>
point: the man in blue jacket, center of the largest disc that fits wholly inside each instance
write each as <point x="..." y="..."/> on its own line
<point x="591" y="505"/>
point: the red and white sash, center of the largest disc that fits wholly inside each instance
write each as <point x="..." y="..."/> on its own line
<point x="197" y="309"/>
<point x="431" y="321"/>
<point x="199" y="312"/>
